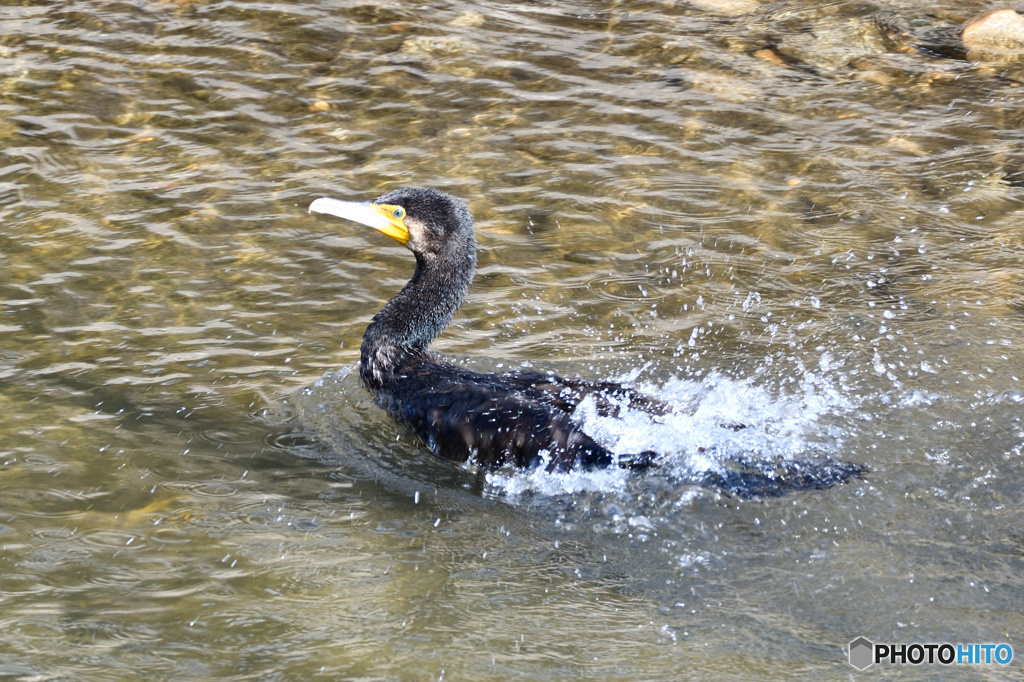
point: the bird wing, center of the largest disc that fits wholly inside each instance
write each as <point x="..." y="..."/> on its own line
<point x="516" y="419"/>
<point x="494" y="428"/>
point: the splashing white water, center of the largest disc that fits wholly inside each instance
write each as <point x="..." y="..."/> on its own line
<point x="714" y="420"/>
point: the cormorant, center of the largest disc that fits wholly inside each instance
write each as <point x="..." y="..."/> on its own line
<point x="520" y="419"/>
<point x="493" y="420"/>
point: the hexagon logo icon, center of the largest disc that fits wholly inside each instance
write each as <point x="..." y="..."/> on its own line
<point x="862" y="653"/>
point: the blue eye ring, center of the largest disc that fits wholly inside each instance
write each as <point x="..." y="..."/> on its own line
<point x="398" y="213"/>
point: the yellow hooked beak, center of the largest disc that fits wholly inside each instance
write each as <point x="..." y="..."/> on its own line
<point x="387" y="218"/>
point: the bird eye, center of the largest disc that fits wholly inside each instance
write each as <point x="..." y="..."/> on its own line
<point x="398" y="213"/>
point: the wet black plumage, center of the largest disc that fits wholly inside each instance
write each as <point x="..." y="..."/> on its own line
<point x="492" y="419"/>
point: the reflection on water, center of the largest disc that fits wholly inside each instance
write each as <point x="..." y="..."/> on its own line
<point x="782" y="212"/>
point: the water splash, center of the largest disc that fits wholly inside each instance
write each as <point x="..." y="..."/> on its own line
<point x="716" y="421"/>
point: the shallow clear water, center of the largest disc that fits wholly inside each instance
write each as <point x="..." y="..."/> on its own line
<point x="764" y="213"/>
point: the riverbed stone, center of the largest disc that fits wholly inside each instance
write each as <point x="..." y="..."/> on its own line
<point x="729" y="8"/>
<point x="994" y="35"/>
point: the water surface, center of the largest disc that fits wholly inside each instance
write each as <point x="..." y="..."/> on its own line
<point x="763" y="212"/>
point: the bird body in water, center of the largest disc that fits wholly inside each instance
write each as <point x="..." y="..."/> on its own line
<point x="513" y="419"/>
<point x="518" y="419"/>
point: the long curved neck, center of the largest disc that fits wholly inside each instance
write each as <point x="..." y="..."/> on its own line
<point x="407" y="324"/>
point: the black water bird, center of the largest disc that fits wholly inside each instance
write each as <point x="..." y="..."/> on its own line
<point x="514" y="419"/>
<point x="519" y="419"/>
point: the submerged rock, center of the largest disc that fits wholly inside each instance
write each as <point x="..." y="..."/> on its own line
<point x="437" y="46"/>
<point x="470" y="19"/>
<point x="849" y="35"/>
<point x="729" y="8"/>
<point x="839" y="36"/>
<point x="994" y="36"/>
<point x="894" y="30"/>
